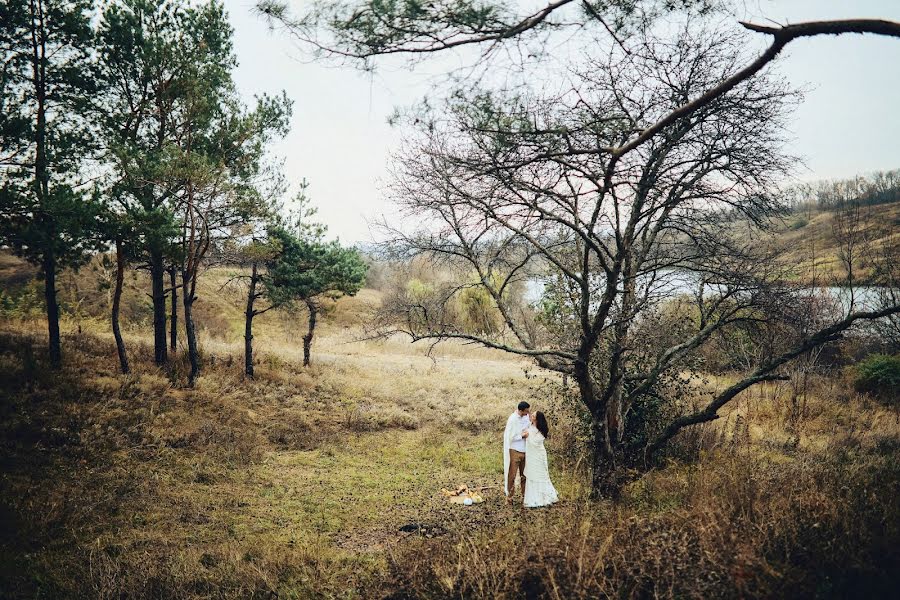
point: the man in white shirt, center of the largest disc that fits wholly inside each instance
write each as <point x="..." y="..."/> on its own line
<point x="514" y="448"/>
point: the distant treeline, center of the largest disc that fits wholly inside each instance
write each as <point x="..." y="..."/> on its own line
<point x="880" y="187"/>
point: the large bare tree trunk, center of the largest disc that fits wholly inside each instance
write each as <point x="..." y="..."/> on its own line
<point x="116" y="303"/>
<point x="602" y="452"/>
<point x="616" y="408"/>
<point x="603" y="460"/>
<point x="158" y="293"/>
<point x="308" y="338"/>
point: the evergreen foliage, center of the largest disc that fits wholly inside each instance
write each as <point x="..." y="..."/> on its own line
<point x="48" y="212"/>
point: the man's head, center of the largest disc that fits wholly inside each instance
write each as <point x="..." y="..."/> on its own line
<point x="523" y="408"/>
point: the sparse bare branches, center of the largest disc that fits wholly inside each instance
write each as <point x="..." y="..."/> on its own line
<point x="767" y="371"/>
<point x="648" y="173"/>
<point x="619" y="198"/>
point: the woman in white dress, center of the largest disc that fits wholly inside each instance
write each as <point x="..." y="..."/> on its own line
<point x="539" y="491"/>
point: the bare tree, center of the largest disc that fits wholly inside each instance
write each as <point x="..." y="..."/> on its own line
<point x="884" y="277"/>
<point x="850" y="228"/>
<point x="609" y="190"/>
<point x="625" y="198"/>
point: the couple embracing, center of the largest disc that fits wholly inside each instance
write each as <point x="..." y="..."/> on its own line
<point x="524" y="452"/>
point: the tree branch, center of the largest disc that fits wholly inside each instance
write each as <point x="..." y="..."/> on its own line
<point x="414" y="42"/>
<point x="489" y="344"/>
<point x="782" y="36"/>
<point x="765" y="373"/>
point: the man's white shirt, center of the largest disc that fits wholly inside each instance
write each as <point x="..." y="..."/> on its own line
<point x="518" y="442"/>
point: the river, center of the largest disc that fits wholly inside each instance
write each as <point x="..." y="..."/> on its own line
<point x="672" y="284"/>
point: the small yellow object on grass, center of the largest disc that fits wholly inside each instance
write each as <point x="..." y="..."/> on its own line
<point x="463" y="495"/>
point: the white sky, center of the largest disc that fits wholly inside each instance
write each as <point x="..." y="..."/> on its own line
<point x="340" y="140"/>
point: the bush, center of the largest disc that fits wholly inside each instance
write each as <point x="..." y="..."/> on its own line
<point x="799" y="223"/>
<point x="879" y="374"/>
<point x="24" y="302"/>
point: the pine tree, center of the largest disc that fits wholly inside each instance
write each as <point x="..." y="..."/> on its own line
<point x="152" y="53"/>
<point x="47" y="213"/>
<point x="310" y="270"/>
<point x="184" y="148"/>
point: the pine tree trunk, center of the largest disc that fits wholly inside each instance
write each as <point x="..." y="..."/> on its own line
<point x="191" y="335"/>
<point x="248" y="324"/>
<point x="308" y="338"/>
<point x="42" y="178"/>
<point x="117" y="298"/>
<point x="189" y="330"/>
<point x="52" y="308"/>
<point x="173" y="319"/>
<point x="157" y="279"/>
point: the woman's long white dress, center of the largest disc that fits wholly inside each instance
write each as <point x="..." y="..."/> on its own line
<point x="539" y="490"/>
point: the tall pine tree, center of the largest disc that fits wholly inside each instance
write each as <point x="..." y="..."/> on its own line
<point x="152" y="53"/>
<point x="47" y="213"/>
<point x="183" y="148"/>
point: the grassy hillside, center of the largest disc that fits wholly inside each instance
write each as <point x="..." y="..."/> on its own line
<point x="297" y="484"/>
<point x="813" y="250"/>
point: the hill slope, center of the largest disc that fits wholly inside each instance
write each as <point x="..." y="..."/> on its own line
<point x="813" y="247"/>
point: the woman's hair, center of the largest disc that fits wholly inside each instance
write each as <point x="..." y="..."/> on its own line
<point x="540" y="421"/>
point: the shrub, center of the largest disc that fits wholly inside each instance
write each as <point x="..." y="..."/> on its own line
<point x="799" y="223"/>
<point x="879" y="374"/>
<point x="478" y="313"/>
<point x="24" y="302"/>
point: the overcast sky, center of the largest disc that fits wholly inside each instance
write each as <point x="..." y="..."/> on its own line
<point x="341" y="143"/>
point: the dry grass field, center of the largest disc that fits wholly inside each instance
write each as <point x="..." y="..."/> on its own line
<point x="297" y="484"/>
<point x="812" y="250"/>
